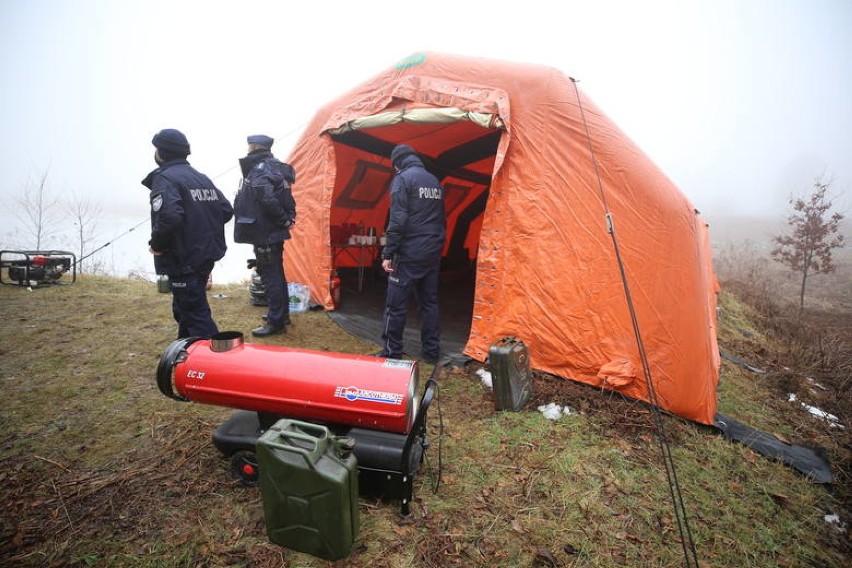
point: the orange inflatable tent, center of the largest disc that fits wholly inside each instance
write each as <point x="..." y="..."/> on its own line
<point x="563" y="217"/>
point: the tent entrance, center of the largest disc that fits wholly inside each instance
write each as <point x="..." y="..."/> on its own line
<point x="360" y="313"/>
<point x="461" y="153"/>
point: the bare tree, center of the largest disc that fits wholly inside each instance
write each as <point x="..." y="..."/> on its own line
<point x="84" y="214"/>
<point x="37" y="210"/>
<point x="814" y="235"/>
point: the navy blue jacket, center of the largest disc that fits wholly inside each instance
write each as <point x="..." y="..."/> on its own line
<point x="417" y="224"/>
<point x="264" y="206"/>
<point x="188" y="216"/>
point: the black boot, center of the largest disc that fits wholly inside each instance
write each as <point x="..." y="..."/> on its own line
<point x="268" y="329"/>
<point x="430" y="359"/>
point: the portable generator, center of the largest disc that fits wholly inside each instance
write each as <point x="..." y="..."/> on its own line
<point x="373" y="400"/>
<point x="34" y="268"/>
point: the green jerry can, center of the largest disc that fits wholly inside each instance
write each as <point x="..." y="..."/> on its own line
<point x="509" y="364"/>
<point x="309" y="488"/>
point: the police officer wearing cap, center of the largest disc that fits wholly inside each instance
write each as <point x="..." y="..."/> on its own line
<point x="188" y="216"/>
<point x="412" y="254"/>
<point x="265" y="212"/>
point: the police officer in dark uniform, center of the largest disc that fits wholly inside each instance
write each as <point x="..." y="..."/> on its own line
<point x="412" y="254"/>
<point x="265" y="213"/>
<point x="188" y="216"/>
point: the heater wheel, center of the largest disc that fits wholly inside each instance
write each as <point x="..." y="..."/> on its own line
<point x="244" y="468"/>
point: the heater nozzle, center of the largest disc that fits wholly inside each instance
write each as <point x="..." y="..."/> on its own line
<point x="174" y="354"/>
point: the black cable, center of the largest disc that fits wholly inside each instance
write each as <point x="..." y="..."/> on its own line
<point x="436" y="399"/>
<point x="687" y="542"/>
<point x="103" y="246"/>
<point x="106" y="244"/>
<point x="286" y="135"/>
<point x="440" y="439"/>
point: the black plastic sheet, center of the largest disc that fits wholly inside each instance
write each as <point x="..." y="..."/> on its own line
<point x="810" y="462"/>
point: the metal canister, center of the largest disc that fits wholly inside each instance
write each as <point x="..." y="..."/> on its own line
<point x="164" y="286"/>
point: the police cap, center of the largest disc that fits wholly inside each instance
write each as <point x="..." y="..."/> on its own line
<point x="172" y="141"/>
<point x="261" y="140"/>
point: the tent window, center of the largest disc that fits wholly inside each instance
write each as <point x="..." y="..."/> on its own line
<point x="369" y="182"/>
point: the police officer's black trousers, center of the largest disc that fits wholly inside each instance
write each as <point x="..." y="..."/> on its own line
<point x="189" y="304"/>
<point x="270" y="267"/>
<point x="423" y="281"/>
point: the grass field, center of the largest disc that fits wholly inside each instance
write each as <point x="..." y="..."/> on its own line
<point x="100" y="469"/>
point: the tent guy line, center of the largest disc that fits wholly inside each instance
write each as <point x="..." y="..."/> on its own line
<point x="278" y="139"/>
<point x="675" y="493"/>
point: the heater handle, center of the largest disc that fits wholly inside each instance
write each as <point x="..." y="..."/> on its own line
<point x="419" y="421"/>
<point x="417" y="431"/>
<point x="310" y="455"/>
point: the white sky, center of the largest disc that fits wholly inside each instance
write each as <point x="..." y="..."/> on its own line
<point x="740" y="102"/>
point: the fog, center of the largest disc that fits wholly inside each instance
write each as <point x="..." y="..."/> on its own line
<point x="742" y="104"/>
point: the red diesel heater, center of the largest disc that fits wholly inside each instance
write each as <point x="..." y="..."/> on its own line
<point x="370" y="400"/>
<point x="337" y="388"/>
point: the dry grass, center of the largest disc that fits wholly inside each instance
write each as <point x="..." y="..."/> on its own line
<point x="100" y="469"/>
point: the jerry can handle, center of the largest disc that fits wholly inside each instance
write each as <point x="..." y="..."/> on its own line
<point x="310" y="455"/>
